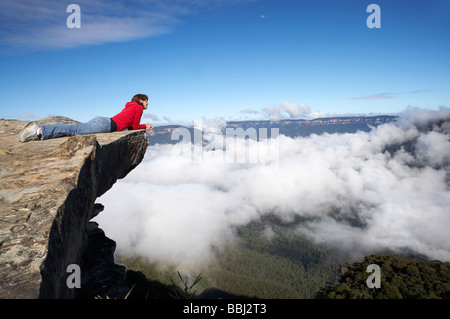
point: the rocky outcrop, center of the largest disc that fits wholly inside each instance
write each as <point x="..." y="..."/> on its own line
<point x="101" y="276"/>
<point x="47" y="195"/>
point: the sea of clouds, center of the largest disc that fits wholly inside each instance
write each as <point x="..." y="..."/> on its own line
<point x="183" y="200"/>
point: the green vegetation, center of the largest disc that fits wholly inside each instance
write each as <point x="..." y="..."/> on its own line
<point x="187" y="291"/>
<point x="401" y="278"/>
<point x="286" y="265"/>
<point x="271" y="259"/>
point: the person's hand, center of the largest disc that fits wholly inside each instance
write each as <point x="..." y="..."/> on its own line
<point x="148" y="126"/>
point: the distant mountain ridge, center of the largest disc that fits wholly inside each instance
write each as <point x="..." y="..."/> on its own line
<point x="372" y="120"/>
<point x="288" y="127"/>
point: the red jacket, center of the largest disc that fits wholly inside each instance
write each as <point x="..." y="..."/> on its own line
<point x="130" y="117"/>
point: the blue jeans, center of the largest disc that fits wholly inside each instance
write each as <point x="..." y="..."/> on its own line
<point x="96" y="125"/>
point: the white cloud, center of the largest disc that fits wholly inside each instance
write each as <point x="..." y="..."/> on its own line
<point x="434" y="148"/>
<point x="27" y="116"/>
<point x="34" y="24"/>
<point x="296" y="110"/>
<point x="249" y="111"/>
<point x="290" y="111"/>
<point x="42" y="24"/>
<point x="151" y="116"/>
<point x="386" y="96"/>
<point x="379" y="96"/>
<point x="365" y="199"/>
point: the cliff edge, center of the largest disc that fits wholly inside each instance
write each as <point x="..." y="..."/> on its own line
<point x="47" y="195"/>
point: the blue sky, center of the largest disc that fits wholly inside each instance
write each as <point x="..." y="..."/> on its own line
<point x="235" y="59"/>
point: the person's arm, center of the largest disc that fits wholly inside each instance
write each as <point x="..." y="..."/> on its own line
<point x="137" y="120"/>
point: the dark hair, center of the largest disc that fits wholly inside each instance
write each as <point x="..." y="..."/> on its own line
<point x="138" y="97"/>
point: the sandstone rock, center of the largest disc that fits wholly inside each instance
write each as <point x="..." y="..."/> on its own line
<point x="101" y="276"/>
<point x="47" y="194"/>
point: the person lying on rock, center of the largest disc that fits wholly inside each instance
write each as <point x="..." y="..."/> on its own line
<point x="129" y="118"/>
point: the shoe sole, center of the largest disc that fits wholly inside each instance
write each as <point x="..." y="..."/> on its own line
<point x="24" y="136"/>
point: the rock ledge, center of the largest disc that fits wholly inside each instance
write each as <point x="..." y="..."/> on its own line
<point x="47" y="194"/>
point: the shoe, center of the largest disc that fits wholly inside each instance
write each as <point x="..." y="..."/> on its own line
<point x="31" y="132"/>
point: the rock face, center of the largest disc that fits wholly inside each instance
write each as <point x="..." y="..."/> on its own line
<point x="47" y="195"/>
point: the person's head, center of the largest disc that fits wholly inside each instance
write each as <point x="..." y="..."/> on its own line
<point x="141" y="99"/>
